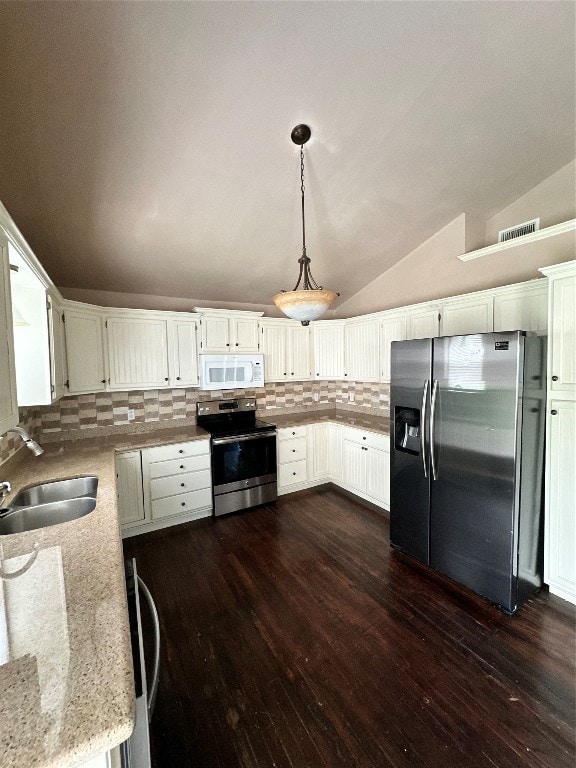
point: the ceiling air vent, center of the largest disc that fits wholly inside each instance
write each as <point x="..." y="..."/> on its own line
<point x="519" y="230"/>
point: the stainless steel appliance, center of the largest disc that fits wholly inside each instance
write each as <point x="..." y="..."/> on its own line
<point x="243" y="452"/>
<point x="135" y="752"/>
<point x="466" y="461"/>
<point x="231" y="371"/>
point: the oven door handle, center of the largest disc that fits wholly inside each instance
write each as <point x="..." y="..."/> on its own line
<point x="242" y="438"/>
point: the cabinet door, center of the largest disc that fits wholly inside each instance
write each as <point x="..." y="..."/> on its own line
<point x="522" y="311"/>
<point x="378" y="476"/>
<point x="129" y="487"/>
<point x="244" y="334"/>
<point x="423" y="323"/>
<point x="318" y="459"/>
<point x="137" y="352"/>
<point x="560" y="549"/>
<point x="354" y="464"/>
<point x="8" y="397"/>
<point x="184" y="354"/>
<point x="468" y="316"/>
<point x="215" y="334"/>
<point x="58" y="370"/>
<point x="362" y="355"/>
<point x="298" y="346"/>
<point x="84" y="351"/>
<point x="274" y="350"/>
<point x="391" y="329"/>
<point x="328" y="341"/>
<point x="335" y="452"/>
<point x="563" y="335"/>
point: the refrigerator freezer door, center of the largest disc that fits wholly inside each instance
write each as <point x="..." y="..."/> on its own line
<point x="411" y="365"/>
<point x="475" y="442"/>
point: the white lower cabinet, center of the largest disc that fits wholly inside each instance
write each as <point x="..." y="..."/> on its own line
<point x="163" y="486"/>
<point x="355" y="459"/>
<point x="560" y="515"/>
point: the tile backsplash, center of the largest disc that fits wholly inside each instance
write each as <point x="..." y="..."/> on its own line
<point x="110" y="409"/>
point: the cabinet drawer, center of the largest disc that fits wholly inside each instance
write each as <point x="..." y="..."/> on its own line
<point x="292" y="450"/>
<point x="188" y="481"/>
<point x="294" y="472"/>
<point x="178" y="450"/>
<point x="177" y="466"/>
<point x="368" y="439"/>
<point x="287" y="433"/>
<point x="182" y="503"/>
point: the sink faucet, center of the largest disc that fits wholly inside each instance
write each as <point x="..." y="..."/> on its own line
<point x="28" y="442"/>
<point x="5" y="489"/>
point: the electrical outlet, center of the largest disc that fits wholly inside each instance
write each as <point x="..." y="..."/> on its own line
<point x="351" y="397"/>
<point x="316" y="397"/>
<point x="131" y="414"/>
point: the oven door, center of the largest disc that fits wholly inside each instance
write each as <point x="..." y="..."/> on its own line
<point x="243" y="461"/>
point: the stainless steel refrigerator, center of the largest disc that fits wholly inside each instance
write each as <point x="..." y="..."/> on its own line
<point x="467" y="420"/>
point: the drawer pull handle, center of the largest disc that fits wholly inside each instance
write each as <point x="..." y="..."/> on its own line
<point x="554" y="378"/>
<point x="293" y="473"/>
<point x="293" y="450"/>
<point x="554" y="412"/>
<point x="363" y="438"/>
<point x="181" y="450"/>
<point x="183" y="503"/>
<point x="182" y="485"/>
<point x="293" y="433"/>
<point x="181" y="466"/>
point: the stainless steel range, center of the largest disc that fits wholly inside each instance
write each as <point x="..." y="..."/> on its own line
<point x="243" y="452"/>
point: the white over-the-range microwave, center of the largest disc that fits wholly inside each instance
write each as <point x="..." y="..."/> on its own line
<point x="231" y="371"/>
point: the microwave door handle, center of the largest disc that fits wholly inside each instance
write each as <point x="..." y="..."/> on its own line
<point x="241" y="438"/>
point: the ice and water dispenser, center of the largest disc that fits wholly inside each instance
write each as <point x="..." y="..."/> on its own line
<point x="407" y="429"/>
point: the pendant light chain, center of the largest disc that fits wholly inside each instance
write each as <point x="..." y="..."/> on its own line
<point x="309" y="283"/>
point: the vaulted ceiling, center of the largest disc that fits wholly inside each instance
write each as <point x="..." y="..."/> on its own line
<point x="145" y="147"/>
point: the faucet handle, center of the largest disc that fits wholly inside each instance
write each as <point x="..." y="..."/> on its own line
<point x="5" y="488"/>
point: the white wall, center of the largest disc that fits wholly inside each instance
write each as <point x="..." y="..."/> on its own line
<point x="433" y="271"/>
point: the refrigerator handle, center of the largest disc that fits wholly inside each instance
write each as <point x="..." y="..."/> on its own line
<point x="432" y="421"/>
<point x="422" y="430"/>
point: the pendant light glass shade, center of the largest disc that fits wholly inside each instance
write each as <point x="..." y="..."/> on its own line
<point x="310" y="301"/>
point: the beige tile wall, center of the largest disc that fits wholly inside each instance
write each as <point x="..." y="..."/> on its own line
<point x="110" y="409"/>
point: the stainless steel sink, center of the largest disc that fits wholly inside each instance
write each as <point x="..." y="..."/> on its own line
<point x="20" y="519"/>
<point x="59" y="490"/>
<point x="49" y="504"/>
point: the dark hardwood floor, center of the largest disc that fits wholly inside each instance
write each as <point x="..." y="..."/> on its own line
<point x="293" y="636"/>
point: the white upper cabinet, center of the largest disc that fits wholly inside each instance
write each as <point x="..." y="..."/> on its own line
<point x="423" y="322"/>
<point x="362" y="350"/>
<point x="562" y="373"/>
<point x="522" y="308"/>
<point x="274" y="350"/>
<point x="228" y="332"/>
<point x="467" y="315"/>
<point x="392" y="328"/>
<point x="137" y="352"/>
<point x="328" y="342"/>
<point x="58" y="364"/>
<point x="8" y="399"/>
<point x="184" y="369"/>
<point x="298" y="346"/>
<point x="84" y="348"/>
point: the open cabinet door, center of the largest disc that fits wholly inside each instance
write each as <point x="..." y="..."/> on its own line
<point x="8" y="399"/>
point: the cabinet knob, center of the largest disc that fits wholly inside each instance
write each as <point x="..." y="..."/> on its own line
<point x="177" y="378"/>
<point x="293" y="473"/>
<point x="554" y="412"/>
<point x="293" y="433"/>
<point x="103" y="381"/>
<point x="181" y="466"/>
<point x="292" y="374"/>
<point x="293" y="450"/>
<point x="345" y="374"/>
<point x="237" y="345"/>
<point x="183" y="503"/>
<point x="554" y="378"/>
<point x="227" y="345"/>
<point x="166" y="379"/>
<point x="363" y="438"/>
<point x="181" y="450"/>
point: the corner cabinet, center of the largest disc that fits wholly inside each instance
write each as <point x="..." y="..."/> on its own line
<point x="8" y="397"/>
<point x="328" y="343"/>
<point x="560" y="485"/>
<point x="362" y="350"/>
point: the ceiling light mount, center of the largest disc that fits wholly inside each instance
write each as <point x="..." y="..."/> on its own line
<point x="310" y="301"/>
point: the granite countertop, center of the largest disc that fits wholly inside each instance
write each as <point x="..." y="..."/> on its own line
<point x="66" y="681"/>
<point x="369" y="422"/>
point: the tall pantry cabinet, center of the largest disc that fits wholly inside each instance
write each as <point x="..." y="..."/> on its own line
<point x="560" y="498"/>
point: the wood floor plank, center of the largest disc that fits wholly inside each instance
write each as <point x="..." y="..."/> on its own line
<point x="294" y="637"/>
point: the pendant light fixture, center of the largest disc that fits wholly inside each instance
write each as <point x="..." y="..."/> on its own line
<point x="310" y="301"/>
